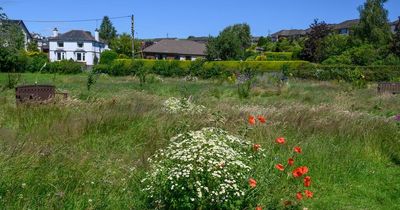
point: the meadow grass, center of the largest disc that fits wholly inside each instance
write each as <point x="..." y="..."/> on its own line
<point x="91" y="151"/>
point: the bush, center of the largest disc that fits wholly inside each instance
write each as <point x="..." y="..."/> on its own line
<point x="206" y="169"/>
<point x="345" y="72"/>
<point x="108" y="56"/>
<point x="275" y="56"/>
<point x="64" y="67"/>
<point x="36" y="61"/>
<point x="200" y="68"/>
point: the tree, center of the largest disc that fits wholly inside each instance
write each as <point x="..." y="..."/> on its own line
<point x="374" y="26"/>
<point x="312" y="50"/>
<point x="262" y="41"/>
<point x="123" y="45"/>
<point x="395" y="45"/>
<point x="231" y="43"/>
<point x="107" y="31"/>
<point x="334" y="45"/>
<point x="33" y="46"/>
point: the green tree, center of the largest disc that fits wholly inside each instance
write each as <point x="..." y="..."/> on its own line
<point x="231" y="43"/>
<point x="33" y="46"/>
<point x="334" y="45"/>
<point x="395" y="45"/>
<point x="312" y="50"/>
<point x="374" y="26"/>
<point x="123" y="45"/>
<point x="107" y="31"/>
<point x="262" y="41"/>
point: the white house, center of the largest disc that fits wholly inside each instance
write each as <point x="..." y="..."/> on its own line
<point x="77" y="45"/>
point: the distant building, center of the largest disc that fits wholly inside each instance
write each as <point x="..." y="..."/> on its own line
<point x="393" y="25"/>
<point x="25" y="31"/>
<point x="77" y="45"/>
<point x="288" y="34"/>
<point x="345" y="27"/>
<point x="175" y="50"/>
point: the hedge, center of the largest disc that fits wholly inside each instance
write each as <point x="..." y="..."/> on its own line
<point x="275" y="56"/>
<point x="343" y="72"/>
<point x="171" y="68"/>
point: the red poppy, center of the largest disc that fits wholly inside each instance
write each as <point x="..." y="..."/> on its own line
<point x="256" y="147"/>
<point x="297" y="149"/>
<point x="299" y="196"/>
<point x="261" y="119"/>
<point x="298" y="172"/>
<point x="291" y="161"/>
<point x="307" y="181"/>
<point x="280" y="167"/>
<point x="252" y="120"/>
<point x="308" y="193"/>
<point x="258" y="208"/>
<point x="280" y="140"/>
<point x="252" y="183"/>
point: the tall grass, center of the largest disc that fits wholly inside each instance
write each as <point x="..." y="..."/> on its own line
<point x="91" y="151"/>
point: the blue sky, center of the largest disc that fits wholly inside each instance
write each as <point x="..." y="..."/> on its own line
<point x="181" y="18"/>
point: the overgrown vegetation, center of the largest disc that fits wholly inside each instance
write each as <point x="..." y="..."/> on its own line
<point x="91" y="150"/>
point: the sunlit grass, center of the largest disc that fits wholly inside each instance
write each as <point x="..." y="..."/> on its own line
<point x="91" y="151"/>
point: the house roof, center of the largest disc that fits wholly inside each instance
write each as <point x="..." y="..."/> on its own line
<point x="22" y="25"/>
<point x="182" y="47"/>
<point x="292" y="32"/>
<point x="346" y="24"/>
<point x="74" y="35"/>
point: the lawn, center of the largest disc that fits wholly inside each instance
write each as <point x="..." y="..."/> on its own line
<point x="91" y="151"/>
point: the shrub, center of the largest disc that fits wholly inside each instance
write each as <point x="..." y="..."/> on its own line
<point x="275" y="56"/>
<point x="108" y="56"/>
<point x="36" y="61"/>
<point x="64" y="67"/>
<point x="205" y="169"/>
<point x="184" y="106"/>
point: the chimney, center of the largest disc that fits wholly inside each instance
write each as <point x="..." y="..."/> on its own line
<point x="96" y="35"/>
<point x="55" y="32"/>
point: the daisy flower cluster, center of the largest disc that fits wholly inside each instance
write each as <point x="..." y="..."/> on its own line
<point x="206" y="169"/>
<point x="175" y="105"/>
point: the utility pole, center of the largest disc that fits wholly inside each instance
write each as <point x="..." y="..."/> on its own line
<point x="133" y="36"/>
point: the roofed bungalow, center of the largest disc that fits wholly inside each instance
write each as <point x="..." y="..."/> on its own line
<point x="77" y="45"/>
<point x="289" y="34"/>
<point x="345" y="26"/>
<point x="175" y="50"/>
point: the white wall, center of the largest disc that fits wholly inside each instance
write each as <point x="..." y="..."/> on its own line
<point x="90" y="49"/>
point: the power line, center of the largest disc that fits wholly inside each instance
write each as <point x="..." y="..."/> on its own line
<point x="74" y="21"/>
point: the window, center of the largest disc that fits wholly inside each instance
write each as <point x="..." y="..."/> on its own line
<point x="80" y="44"/>
<point x="80" y="56"/>
<point x="60" y="56"/>
<point x="60" y="44"/>
<point x="188" y="58"/>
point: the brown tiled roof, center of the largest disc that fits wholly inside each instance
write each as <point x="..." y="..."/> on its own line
<point x="181" y="47"/>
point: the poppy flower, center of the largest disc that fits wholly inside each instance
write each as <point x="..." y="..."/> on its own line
<point x="299" y="196"/>
<point x="308" y="193"/>
<point x="300" y="171"/>
<point x="256" y="147"/>
<point x="252" y="120"/>
<point x="261" y="119"/>
<point x="258" y="208"/>
<point x="280" y="167"/>
<point x="307" y="181"/>
<point x="297" y="149"/>
<point x="252" y="183"/>
<point x="280" y="140"/>
<point x="291" y="161"/>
